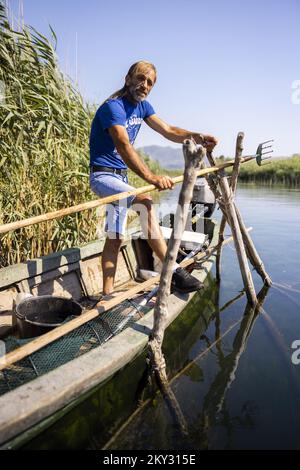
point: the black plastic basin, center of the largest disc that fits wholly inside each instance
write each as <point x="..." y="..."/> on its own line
<point x="37" y="315"/>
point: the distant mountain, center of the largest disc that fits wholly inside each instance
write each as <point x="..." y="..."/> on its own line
<point x="167" y="157"/>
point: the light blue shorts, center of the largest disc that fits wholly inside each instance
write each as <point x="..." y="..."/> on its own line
<point x="106" y="184"/>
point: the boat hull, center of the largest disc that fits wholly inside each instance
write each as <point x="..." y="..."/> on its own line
<point x="31" y="408"/>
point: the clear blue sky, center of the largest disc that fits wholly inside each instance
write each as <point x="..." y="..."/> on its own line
<point x="223" y="66"/>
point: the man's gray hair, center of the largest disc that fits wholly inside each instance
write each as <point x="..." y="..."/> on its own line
<point x="137" y="67"/>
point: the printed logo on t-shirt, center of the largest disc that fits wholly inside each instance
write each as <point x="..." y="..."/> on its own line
<point x="133" y="121"/>
<point x="132" y="126"/>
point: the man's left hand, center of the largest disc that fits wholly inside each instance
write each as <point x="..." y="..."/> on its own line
<point x="208" y="141"/>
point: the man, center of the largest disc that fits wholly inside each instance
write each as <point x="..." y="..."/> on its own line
<point x="114" y="129"/>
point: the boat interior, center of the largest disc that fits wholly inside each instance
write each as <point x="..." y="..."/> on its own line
<point x="75" y="275"/>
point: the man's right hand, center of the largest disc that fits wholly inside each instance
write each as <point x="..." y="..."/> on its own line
<point x="162" y="182"/>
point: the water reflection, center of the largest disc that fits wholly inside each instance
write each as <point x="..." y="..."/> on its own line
<point x="211" y="408"/>
<point x="214" y="400"/>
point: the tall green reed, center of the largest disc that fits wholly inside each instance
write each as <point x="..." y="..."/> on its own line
<point x="43" y="146"/>
<point x="44" y="134"/>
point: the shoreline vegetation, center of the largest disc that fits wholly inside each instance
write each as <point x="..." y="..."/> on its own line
<point x="280" y="171"/>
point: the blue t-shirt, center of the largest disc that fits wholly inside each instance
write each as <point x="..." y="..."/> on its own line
<point x="113" y="112"/>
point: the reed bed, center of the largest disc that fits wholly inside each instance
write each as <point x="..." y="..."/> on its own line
<point x="43" y="146"/>
<point x="44" y="154"/>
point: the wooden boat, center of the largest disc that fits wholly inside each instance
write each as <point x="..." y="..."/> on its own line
<point x="54" y="379"/>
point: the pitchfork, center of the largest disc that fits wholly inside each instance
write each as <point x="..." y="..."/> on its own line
<point x="260" y="151"/>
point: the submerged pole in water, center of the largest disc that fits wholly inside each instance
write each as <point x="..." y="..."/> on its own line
<point x="193" y="156"/>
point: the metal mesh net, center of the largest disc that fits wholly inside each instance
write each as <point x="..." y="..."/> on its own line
<point x="79" y="341"/>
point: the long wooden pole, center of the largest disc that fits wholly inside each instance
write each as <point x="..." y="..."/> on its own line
<point x="101" y="307"/>
<point x="105" y="200"/>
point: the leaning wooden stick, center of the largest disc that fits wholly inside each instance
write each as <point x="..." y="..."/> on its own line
<point x="229" y="210"/>
<point x="235" y="172"/>
<point x="237" y="161"/>
<point x="251" y="251"/>
<point x="192" y="157"/>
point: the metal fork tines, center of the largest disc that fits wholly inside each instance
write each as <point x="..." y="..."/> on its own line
<point x="262" y="149"/>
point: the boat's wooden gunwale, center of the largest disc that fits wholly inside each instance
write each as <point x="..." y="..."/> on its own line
<point x="75" y="273"/>
<point x="12" y="275"/>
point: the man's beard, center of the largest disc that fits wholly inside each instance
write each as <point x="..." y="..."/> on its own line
<point x="137" y="94"/>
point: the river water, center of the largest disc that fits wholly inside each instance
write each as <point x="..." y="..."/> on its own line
<point x="241" y="388"/>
